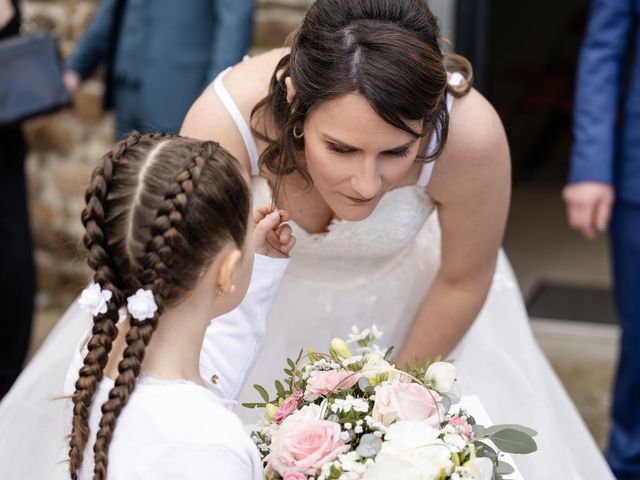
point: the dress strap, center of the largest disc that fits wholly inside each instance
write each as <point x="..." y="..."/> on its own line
<point x="238" y="119"/>
<point x="427" y="169"/>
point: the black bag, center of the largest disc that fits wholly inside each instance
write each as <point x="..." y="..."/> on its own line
<point x="30" y="78"/>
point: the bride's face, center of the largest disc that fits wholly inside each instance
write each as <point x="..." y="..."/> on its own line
<point x="353" y="156"/>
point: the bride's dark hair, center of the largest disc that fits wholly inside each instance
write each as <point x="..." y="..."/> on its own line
<point x="158" y="210"/>
<point x="386" y="50"/>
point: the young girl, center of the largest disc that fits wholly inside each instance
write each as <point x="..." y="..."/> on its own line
<point x="169" y="235"/>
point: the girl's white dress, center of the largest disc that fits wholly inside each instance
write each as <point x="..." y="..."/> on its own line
<point x="374" y="271"/>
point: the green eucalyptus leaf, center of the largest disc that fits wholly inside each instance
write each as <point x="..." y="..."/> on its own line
<point x="504" y="468"/>
<point x="478" y="430"/>
<point x="363" y="383"/>
<point x="446" y="402"/>
<point x="496" y="428"/>
<point x="514" y="441"/>
<point x="484" y="450"/>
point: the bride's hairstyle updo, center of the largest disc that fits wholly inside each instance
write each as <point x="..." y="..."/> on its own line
<point x="158" y="210"/>
<point x="386" y="50"/>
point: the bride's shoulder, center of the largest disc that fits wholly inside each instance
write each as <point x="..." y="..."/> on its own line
<point x="476" y="145"/>
<point x="246" y="83"/>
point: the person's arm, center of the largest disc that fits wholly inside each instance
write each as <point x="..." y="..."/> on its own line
<point x="94" y="45"/>
<point x="9" y="18"/>
<point x="233" y="341"/>
<point x="589" y="195"/>
<point x="472" y="185"/>
<point x="232" y="33"/>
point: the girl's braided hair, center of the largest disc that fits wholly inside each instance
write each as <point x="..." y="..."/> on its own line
<point x="158" y="209"/>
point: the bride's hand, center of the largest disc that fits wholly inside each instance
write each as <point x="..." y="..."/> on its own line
<point x="271" y="236"/>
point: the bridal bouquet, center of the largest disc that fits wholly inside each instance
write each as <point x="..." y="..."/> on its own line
<point x="352" y="415"/>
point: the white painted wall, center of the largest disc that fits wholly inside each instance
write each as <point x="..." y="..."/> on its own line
<point x="445" y="10"/>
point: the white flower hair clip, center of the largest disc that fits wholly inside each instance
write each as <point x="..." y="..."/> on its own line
<point x="141" y="305"/>
<point x="94" y="300"/>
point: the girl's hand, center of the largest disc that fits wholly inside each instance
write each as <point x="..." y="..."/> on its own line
<point x="271" y="237"/>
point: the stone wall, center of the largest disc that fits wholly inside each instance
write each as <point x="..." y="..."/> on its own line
<point x="66" y="146"/>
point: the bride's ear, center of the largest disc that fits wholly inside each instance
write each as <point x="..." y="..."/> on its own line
<point x="229" y="263"/>
<point x="291" y="90"/>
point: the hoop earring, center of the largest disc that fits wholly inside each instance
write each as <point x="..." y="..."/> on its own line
<point x="298" y="133"/>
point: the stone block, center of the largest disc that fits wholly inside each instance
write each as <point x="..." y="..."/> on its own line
<point x="88" y="100"/>
<point x="50" y="133"/>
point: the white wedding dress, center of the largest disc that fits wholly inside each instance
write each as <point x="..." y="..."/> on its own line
<point x="374" y="271"/>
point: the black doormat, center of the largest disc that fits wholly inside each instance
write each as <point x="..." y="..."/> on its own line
<point x="572" y="302"/>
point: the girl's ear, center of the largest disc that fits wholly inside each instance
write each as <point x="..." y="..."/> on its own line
<point x="226" y="277"/>
<point x="291" y="90"/>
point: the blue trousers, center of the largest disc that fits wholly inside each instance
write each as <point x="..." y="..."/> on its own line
<point x="624" y="447"/>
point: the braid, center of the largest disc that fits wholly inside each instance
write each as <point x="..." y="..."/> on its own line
<point x="104" y="329"/>
<point x="156" y="276"/>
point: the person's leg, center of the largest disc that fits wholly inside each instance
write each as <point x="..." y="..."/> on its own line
<point x="17" y="277"/>
<point x="624" y="447"/>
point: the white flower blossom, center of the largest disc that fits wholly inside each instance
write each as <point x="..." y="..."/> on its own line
<point x="94" y="300"/>
<point x="441" y="376"/>
<point x="349" y="403"/>
<point x="141" y="305"/>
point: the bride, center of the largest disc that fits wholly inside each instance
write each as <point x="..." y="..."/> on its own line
<point x="396" y="174"/>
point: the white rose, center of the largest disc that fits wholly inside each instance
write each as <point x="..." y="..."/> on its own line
<point x="386" y="467"/>
<point x="480" y="468"/>
<point x="141" y="305"/>
<point x="442" y="376"/>
<point x="306" y="413"/>
<point x="385" y="408"/>
<point x="418" y="444"/>
<point x="94" y="300"/>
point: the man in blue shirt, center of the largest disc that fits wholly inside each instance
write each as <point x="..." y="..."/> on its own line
<point x="160" y="54"/>
<point x="604" y="186"/>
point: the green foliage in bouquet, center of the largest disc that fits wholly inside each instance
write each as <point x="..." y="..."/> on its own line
<point x="350" y="416"/>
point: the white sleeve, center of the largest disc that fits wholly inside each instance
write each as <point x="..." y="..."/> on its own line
<point x="233" y="341"/>
<point x="200" y="463"/>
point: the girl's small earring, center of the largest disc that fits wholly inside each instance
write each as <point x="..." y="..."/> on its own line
<point x="298" y="133"/>
<point x="220" y="290"/>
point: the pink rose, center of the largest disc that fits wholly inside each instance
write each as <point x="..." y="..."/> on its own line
<point x="304" y="447"/>
<point x="294" y="476"/>
<point x="406" y="401"/>
<point x="289" y="406"/>
<point x="323" y="383"/>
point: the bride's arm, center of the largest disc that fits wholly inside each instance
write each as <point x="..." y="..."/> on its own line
<point x="472" y="185"/>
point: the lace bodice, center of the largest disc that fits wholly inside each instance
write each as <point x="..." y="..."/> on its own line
<point x="369" y="245"/>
